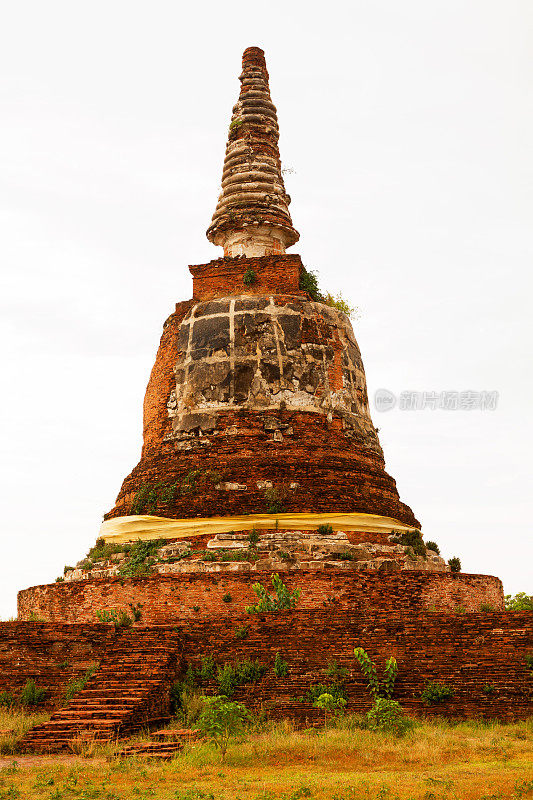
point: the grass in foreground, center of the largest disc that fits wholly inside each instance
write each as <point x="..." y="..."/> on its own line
<point x="13" y="725"/>
<point x="435" y="761"/>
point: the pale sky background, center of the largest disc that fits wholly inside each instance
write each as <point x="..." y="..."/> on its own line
<point x="409" y="127"/>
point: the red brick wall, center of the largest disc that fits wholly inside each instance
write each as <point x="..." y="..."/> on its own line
<point x="278" y="274"/>
<point x="156" y="423"/>
<point x="333" y="473"/>
<point x="169" y="599"/>
<point x="51" y="655"/>
<point x="465" y="651"/>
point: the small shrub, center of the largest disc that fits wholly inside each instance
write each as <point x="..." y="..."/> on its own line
<point x="329" y="704"/>
<point x="7" y="700"/>
<point x="281" y="668"/>
<point x="221" y="720"/>
<point x="67" y="569"/>
<point x="249" y="277"/>
<point x="325" y="530"/>
<point x="377" y="689"/>
<point x="486" y="607"/>
<point x="435" y="693"/>
<point x="338" y="301"/>
<point x="253" y="537"/>
<point x="34" y="617"/>
<point x="283" y="599"/>
<point x="60" y="579"/>
<point x="242" y="632"/>
<point x="78" y="684"/>
<point x="309" y="283"/>
<point x="230" y="676"/>
<point x="140" y="561"/>
<point x="196" y="609"/>
<point x="285" y="556"/>
<point x="520" y="602"/>
<point x="412" y="539"/>
<point x="227" y="598"/>
<point x="433" y="546"/>
<point x="31" y="694"/>
<point x="336" y="690"/>
<point x="274" y="500"/>
<point x="335" y="672"/>
<point x="529" y="660"/>
<point x="460" y="609"/>
<point x="388" y="716"/>
<point x="489" y="688"/>
<point x="136" y="611"/>
<point x="209" y="555"/>
<point x="120" y="619"/>
<point x="207" y="669"/>
<point x="454" y="564"/>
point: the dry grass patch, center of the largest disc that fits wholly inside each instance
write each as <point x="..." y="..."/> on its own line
<point x="435" y="761"/>
<point x="14" y="723"/>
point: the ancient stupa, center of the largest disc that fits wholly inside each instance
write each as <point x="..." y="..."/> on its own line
<point x="256" y="412"/>
<point x="259" y="457"/>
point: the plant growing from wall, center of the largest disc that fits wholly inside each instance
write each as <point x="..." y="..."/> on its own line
<point x="336" y="690"/>
<point x="454" y="564"/>
<point x="221" y="720"/>
<point x="390" y="673"/>
<point x="275" y="499"/>
<point x="433" y="546"/>
<point x="230" y="676"/>
<point x="282" y="599"/>
<point x="253" y="537"/>
<point x="242" y="632"/>
<point x="412" y="539"/>
<point x="329" y="705"/>
<point x="309" y="283"/>
<point x="335" y="672"/>
<point x="77" y="684"/>
<point x="249" y="277"/>
<point x="325" y="530"/>
<point x="7" y="700"/>
<point x="435" y="693"/>
<point x="120" y="619"/>
<point x="140" y="560"/>
<point x="32" y="694"/>
<point x="341" y="304"/>
<point x="281" y="668"/>
<point x="386" y="714"/>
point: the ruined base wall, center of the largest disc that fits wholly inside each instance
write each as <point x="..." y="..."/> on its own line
<point x="170" y="599"/>
<point x="51" y="655"/>
<point x="467" y="652"/>
<point x="480" y="656"/>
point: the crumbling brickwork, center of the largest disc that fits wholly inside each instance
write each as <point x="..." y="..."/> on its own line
<point x="480" y="656"/>
<point x="260" y="388"/>
<point x="51" y="655"/>
<point x="169" y="599"/>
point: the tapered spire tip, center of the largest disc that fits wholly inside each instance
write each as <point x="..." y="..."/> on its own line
<point x="252" y="215"/>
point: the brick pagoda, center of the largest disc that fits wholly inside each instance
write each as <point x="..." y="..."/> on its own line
<point x="259" y="457"/>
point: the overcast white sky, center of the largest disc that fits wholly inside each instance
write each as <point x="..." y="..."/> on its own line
<point x="408" y="126"/>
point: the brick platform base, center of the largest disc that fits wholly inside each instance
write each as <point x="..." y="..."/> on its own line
<point x="168" y="599"/>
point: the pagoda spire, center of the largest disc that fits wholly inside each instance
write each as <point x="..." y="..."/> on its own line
<point x="252" y="215"/>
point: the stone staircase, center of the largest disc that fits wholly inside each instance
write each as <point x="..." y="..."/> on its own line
<point x="128" y="692"/>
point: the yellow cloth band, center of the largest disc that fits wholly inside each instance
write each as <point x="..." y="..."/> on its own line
<point x="127" y="529"/>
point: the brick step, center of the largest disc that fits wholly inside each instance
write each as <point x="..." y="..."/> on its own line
<point x="163" y="750"/>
